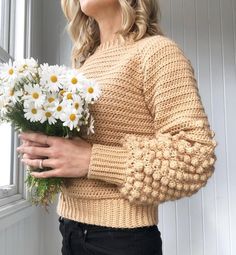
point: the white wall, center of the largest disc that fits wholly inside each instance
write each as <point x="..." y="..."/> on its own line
<point x="205" y="223"/>
<point x="21" y="233"/>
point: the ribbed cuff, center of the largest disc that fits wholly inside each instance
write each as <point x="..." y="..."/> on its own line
<point x="107" y="163"/>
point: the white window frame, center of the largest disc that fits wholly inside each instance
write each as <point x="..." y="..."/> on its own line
<point x="16" y="192"/>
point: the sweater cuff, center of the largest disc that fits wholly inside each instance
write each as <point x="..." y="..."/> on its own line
<point x="107" y="163"/>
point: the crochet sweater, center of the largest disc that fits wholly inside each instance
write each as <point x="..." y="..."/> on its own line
<point x="152" y="141"/>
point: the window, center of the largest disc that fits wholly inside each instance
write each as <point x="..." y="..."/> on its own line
<point x="4" y="23"/>
<point x="5" y="152"/>
<point x="14" y="15"/>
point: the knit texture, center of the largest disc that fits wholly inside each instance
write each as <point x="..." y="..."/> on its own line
<point x="152" y="141"/>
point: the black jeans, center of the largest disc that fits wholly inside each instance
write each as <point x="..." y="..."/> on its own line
<point x="81" y="238"/>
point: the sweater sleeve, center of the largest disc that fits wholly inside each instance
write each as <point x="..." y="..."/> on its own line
<point x="179" y="159"/>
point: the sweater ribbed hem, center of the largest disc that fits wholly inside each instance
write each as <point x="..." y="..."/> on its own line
<point x="117" y="213"/>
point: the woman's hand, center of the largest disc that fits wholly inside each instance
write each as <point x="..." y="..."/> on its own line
<point x="66" y="157"/>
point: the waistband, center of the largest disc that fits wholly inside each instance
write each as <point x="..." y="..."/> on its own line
<point x="87" y="226"/>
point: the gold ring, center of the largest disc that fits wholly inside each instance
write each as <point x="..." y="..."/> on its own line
<point x="41" y="164"/>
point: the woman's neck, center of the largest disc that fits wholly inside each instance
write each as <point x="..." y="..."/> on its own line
<point x="109" y="23"/>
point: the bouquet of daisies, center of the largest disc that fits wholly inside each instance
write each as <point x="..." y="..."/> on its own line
<point x="53" y="100"/>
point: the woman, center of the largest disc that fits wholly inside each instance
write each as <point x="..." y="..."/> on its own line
<point x="152" y="140"/>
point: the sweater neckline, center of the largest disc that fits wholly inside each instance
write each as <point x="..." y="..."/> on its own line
<point x="117" y="40"/>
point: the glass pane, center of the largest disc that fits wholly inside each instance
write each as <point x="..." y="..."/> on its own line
<point x="4" y="23"/>
<point x="5" y="154"/>
<point x="19" y="38"/>
<point x="1" y="23"/>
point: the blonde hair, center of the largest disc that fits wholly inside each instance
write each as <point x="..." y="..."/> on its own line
<point x="141" y="17"/>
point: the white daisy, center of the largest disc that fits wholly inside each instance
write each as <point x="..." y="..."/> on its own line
<point x="86" y="114"/>
<point x="58" y="109"/>
<point x="8" y="71"/>
<point x="52" y="77"/>
<point x="91" y="126"/>
<point x="71" y="117"/>
<point x="26" y="66"/>
<point x="33" y="113"/>
<point x="3" y="111"/>
<point x="77" y="103"/>
<point x="48" y="115"/>
<point x="92" y="91"/>
<point x="75" y="81"/>
<point x="68" y="96"/>
<point x="34" y="94"/>
<point x="3" y="101"/>
<point x="73" y="101"/>
<point x="2" y="90"/>
<point x="13" y="94"/>
<point x="51" y="97"/>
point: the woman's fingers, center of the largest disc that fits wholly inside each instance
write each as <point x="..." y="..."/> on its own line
<point x="46" y="163"/>
<point x="35" y="151"/>
<point x="30" y="156"/>
<point x="35" y="144"/>
<point x="37" y="137"/>
<point x="30" y="143"/>
<point x="36" y="162"/>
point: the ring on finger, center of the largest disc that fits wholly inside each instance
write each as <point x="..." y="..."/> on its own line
<point x="41" y="164"/>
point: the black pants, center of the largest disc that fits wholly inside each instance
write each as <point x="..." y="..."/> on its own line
<point x="81" y="238"/>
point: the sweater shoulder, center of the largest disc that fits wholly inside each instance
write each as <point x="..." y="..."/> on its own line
<point x="154" y="44"/>
<point x="161" y="49"/>
<point x="157" y="40"/>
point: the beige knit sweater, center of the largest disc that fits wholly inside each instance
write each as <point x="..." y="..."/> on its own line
<point x="152" y="140"/>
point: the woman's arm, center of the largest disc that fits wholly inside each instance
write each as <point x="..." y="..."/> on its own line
<point x="180" y="157"/>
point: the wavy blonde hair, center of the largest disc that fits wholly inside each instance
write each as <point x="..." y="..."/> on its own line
<point x="141" y="17"/>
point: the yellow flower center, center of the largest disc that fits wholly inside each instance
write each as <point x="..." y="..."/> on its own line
<point x="69" y="96"/>
<point x="34" y="111"/>
<point x="11" y="92"/>
<point x="90" y="90"/>
<point x="50" y="99"/>
<point x="53" y="78"/>
<point x="11" y="71"/>
<point x="48" y="114"/>
<point x="59" y="108"/>
<point x="25" y="66"/>
<point x="76" y="106"/>
<point x="35" y="95"/>
<point x="72" y="117"/>
<point x="62" y="92"/>
<point x="74" y="80"/>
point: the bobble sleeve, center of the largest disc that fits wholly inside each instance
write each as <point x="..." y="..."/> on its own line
<point x="178" y="160"/>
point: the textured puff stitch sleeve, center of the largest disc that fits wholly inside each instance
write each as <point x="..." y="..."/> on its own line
<point x="178" y="160"/>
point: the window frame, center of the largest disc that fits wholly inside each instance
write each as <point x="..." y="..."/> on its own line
<point x="16" y="192"/>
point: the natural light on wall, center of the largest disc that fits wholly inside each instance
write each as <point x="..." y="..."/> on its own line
<point x="12" y="43"/>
